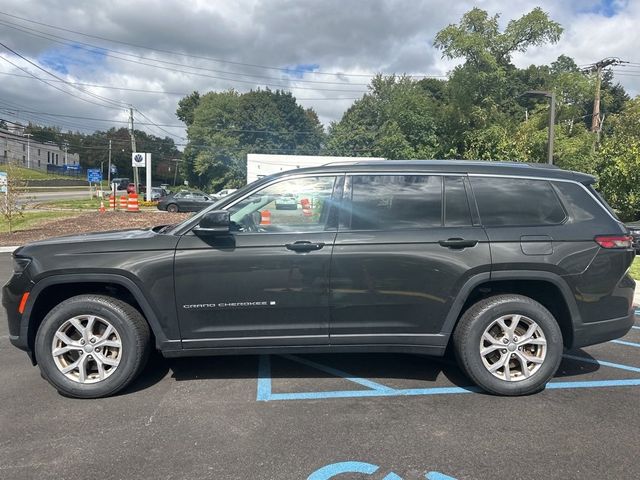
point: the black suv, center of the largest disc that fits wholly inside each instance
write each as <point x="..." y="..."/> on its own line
<point x="506" y="263"/>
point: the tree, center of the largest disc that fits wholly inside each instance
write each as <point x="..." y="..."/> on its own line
<point x="394" y="120"/>
<point x="619" y="166"/>
<point x="478" y="39"/>
<point x="225" y="126"/>
<point x="10" y="205"/>
<point x="485" y="90"/>
<point x="187" y="106"/>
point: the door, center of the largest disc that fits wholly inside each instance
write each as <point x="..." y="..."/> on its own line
<point x="406" y="244"/>
<point x="266" y="284"/>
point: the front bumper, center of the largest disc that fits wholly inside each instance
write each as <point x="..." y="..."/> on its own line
<point x="11" y="295"/>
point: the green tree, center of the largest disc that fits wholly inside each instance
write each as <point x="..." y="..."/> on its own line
<point x="619" y="166"/>
<point x="394" y="120"/>
<point x="227" y="125"/>
<point x="187" y="106"/>
<point x="485" y="90"/>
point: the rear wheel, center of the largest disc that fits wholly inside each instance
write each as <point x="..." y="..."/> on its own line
<point x="92" y="346"/>
<point x="172" y="207"/>
<point x="509" y="345"/>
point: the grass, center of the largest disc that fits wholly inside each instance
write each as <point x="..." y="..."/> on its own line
<point x="31" y="219"/>
<point x="79" y="204"/>
<point x="635" y="269"/>
<point x="31" y="174"/>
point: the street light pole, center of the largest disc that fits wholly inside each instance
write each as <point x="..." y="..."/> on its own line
<point x="552" y="119"/>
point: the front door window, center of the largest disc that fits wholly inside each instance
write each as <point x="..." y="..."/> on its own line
<point x="296" y="205"/>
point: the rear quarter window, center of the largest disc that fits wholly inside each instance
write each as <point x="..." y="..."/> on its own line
<point x="517" y="202"/>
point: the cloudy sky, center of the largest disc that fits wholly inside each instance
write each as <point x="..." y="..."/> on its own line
<point x="99" y="57"/>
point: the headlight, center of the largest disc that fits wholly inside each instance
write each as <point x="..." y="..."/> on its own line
<point x="20" y="264"/>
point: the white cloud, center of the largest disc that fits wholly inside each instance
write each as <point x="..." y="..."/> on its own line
<point x="348" y="36"/>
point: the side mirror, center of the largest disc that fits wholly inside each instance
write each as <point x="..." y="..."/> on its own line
<point x="216" y="222"/>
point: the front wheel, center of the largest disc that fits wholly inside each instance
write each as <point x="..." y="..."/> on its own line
<point x="92" y="346"/>
<point x="509" y="344"/>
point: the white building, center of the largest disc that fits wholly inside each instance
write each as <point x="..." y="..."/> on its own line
<point x="260" y="165"/>
<point x="25" y="152"/>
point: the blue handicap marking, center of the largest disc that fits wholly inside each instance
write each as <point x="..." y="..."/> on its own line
<point x="438" y="476"/>
<point x="331" y="471"/>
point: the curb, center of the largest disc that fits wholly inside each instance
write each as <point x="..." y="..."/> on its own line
<point x="8" y="249"/>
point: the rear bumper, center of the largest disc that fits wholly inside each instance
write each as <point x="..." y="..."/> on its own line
<point x="603" y="331"/>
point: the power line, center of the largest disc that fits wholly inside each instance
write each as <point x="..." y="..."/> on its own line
<point x="234" y="130"/>
<point x="266" y="67"/>
<point x="250" y="82"/>
<point x="53" y="86"/>
<point x="100" y="50"/>
<point x="165" y="92"/>
<point x="116" y="104"/>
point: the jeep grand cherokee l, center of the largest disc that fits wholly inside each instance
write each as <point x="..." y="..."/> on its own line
<point x="505" y="263"/>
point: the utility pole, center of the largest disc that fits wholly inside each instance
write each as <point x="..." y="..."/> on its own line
<point x="133" y="148"/>
<point x="109" y="167"/>
<point x="66" y="147"/>
<point x="552" y="119"/>
<point x="597" y="67"/>
<point x="28" y="135"/>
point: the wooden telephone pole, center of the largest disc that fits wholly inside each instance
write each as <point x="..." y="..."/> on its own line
<point x="597" y="67"/>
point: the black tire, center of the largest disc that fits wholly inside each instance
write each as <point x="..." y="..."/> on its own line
<point x="128" y="322"/>
<point x="476" y="319"/>
<point x="173" y="208"/>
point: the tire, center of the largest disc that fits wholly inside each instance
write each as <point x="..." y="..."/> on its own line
<point x="173" y="208"/>
<point x="508" y="354"/>
<point x="107" y="367"/>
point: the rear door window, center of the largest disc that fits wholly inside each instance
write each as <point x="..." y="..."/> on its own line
<point x="517" y="202"/>
<point x="392" y="202"/>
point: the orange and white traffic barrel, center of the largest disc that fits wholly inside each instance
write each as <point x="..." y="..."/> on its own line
<point x="265" y="217"/>
<point x="132" y="205"/>
<point x="123" y="202"/>
<point x="306" y="207"/>
<point x="112" y="202"/>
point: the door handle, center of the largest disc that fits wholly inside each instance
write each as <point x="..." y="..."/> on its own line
<point x="304" y="246"/>
<point x="456" y="243"/>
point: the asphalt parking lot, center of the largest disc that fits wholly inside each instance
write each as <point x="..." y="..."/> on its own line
<point x="387" y="417"/>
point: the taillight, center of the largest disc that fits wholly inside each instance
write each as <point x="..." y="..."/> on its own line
<point x="614" y="241"/>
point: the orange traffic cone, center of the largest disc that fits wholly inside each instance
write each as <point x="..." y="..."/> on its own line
<point x="102" y="209"/>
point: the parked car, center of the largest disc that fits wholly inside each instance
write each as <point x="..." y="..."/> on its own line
<point x="224" y="192"/>
<point x="634" y="231"/>
<point x="157" y="193"/>
<point x="121" y="183"/>
<point x="286" y="201"/>
<point x="185" y="201"/>
<point x="505" y="264"/>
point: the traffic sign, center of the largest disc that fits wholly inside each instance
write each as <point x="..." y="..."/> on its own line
<point x="3" y="182"/>
<point x="138" y="159"/>
<point x="94" y="175"/>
